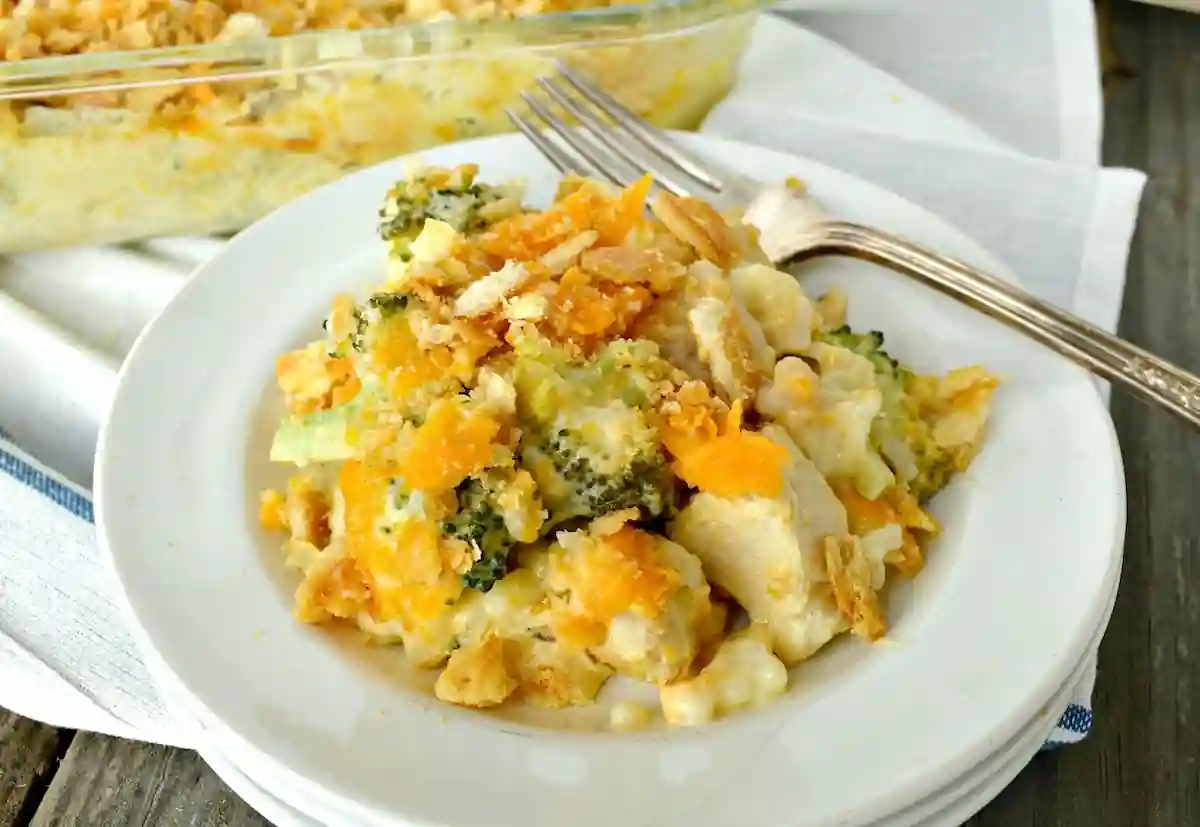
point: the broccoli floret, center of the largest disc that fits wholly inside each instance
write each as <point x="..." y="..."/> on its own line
<point x="480" y="525"/>
<point x="870" y="345"/>
<point x="891" y="377"/>
<point x="389" y="303"/>
<point x="903" y="438"/>
<point x="487" y="571"/>
<point x="587" y="436"/>
<point x="360" y="330"/>
<point x="861" y="343"/>
<point x="935" y="467"/>
<point x="377" y="308"/>
<point x="645" y="483"/>
<point x="449" y="196"/>
<point x="337" y="350"/>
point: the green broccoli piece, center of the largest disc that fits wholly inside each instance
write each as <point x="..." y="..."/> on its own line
<point x="389" y="303"/>
<point x="935" y="468"/>
<point x="870" y="345"/>
<point x="899" y="432"/>
<point x="645" y="483"/>
<point x="587" y="438"/>
<point x="480" y="525"/>
<point x="890" y="429"/>
<point x="460" y="203"/>
<point x="861" y="343"/>
<point x="321" y="436"/>
<point x="378" y="308"/>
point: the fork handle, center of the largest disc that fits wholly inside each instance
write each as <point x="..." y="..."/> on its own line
<point x="1146" y="375"/>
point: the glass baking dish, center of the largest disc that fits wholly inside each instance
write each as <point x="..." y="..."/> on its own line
<point x="117" y="146"/>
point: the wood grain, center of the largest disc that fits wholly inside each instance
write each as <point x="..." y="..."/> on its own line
<point x="29" y="755"/>
<point x="109" y="782"/>
<point x="1139" y="767"/>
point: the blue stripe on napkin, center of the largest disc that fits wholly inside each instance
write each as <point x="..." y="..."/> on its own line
<point x="44" y="484"/>
<point x="1072" y="727"/>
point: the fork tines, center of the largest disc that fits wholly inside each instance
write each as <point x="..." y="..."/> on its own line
<point x="610" y="141"/>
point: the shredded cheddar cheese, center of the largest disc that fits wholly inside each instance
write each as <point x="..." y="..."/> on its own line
<point x="565" y="448"/>
<point x="270" y="512"/>
<point x="732" y="463"/>
<point x="450" y="446"/>
<point x="620" y="572"/>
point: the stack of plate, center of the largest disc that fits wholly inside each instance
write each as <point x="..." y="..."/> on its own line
<point x="920" y="729"/>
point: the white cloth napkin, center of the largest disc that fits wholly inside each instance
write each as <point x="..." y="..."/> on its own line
<point x="1023" y="71"/>
<point x="67" y="318"/>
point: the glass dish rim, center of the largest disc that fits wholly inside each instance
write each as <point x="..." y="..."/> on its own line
<point x="326" y="50"/>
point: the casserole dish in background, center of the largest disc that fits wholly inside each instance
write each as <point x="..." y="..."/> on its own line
<point x="123" y="142"/>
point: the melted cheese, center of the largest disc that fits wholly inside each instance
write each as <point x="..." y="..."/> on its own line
<point x="743" y="674"/>
<point x="637" y="602"/>
<point x="729" y="464"/>
<point x="452" y="444"/>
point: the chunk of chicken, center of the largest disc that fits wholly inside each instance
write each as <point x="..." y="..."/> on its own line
<point x="729" y="340"/>
<point x="829" y="414"/>
<point x="770" y="554"/>
<point x="778" y="303"/>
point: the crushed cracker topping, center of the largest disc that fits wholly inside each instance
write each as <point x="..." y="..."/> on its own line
<point x="561" y="467"/>
<point x="43" y="28"/>
<point x="851" y="578"/>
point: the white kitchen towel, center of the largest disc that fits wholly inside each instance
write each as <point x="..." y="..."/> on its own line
<point x="1021" y="70"/>
<point x="67" y="318"/>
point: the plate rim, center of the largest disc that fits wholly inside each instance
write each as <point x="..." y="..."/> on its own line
<point x="1012" y="755"/>
<point x="131" y="363"/>
<point x="982" y="778"/>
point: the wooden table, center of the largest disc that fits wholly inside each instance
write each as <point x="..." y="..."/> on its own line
<point x="1139" y="768"/>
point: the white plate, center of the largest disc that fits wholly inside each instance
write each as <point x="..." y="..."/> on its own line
<point x="975" y="789"/>
<point x="263" y="789"/>
<point x="966" y="797"/>
<point x="1013" y="591"/>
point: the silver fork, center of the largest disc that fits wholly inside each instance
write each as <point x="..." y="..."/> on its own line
<point x="615" y="144"/>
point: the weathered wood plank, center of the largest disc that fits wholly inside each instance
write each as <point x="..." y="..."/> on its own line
<point x="1163" y="311"/>
<point x="29" y="756"/>
<point x="1183" y="5"/>
<point x="109" y="782"/>
<point x="1140" y="764"/>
